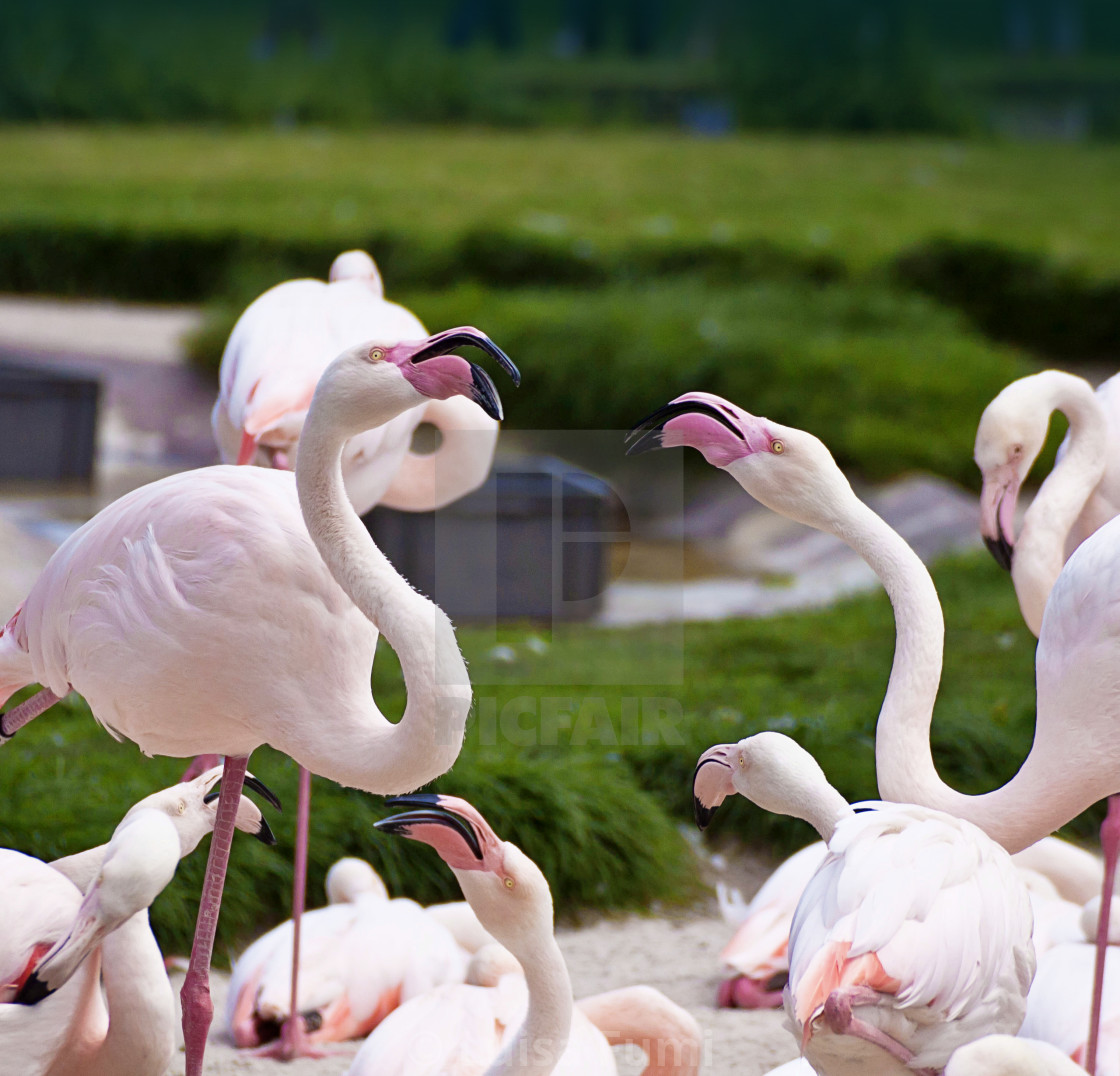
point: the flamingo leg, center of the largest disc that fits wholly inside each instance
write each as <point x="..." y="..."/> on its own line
<point x="841" y="1020"/>
<point x="293" y="1041"/>
<point x="198" y="1009"/>
<point x="1110" y="846"/>
<point x="28" y="710"/>
<point x="199" y="765"/>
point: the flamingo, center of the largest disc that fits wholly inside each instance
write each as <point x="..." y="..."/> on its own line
<point x="281" y="346"/>
<point x="227" y="607"/>
<point x="524" y="1025"/>
<point x="416" y="948"/>
<point x="1006" y="1055"/>
<point x="278" y="350"/>
<point x="1075" y="758"/>
<point x="1080" y="494"/>
<point x="72" y="1032"/>
<point x="914" y="935"/>
<point x="1061" y="997"/>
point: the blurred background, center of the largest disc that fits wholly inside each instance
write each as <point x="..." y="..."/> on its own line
<point x="860" y="217"/>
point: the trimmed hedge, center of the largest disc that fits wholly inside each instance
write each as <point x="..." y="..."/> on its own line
<point x="1018" y="296"/>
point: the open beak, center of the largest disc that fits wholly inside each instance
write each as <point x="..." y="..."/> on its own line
<point x="483" y="391"/>
<point x="430" y="812"/>
<point x="711" y="783"/>
<point x="647" y="434"/>
<point x="264" y="832"/>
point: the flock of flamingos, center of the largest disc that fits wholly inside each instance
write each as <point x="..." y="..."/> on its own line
<point x="231" y="606"/>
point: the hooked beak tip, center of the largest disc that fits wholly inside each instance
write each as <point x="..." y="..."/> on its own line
<point x="32" y="991"/>
<point x="1002" y="551"/>
<point x="264" y="834"/>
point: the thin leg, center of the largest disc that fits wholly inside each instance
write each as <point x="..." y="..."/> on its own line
<point x="293" y="1041"/>
<point x="1110" y="846"/>
<point x="199" y="765"/>
<point x="28" y="710"/>
<point x="198" y="1010"/>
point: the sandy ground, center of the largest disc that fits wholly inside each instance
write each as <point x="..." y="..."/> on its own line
<point x="680" y="956"/>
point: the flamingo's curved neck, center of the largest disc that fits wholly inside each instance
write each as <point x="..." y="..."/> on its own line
<point x="141" y="1036"/>
<point x="824" y="810"/>
<point x="1040" y="550"/>
<point x="425" y="743"/>
<point x="542" y="1038"/>
<point x="1016" y="815"/>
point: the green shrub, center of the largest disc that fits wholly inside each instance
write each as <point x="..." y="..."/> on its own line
<point x="1018" y="296"/>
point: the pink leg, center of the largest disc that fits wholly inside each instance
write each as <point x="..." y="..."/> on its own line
<point x="1110" y="845"/>
<point x="293" y="1041"/>
<point x="198" y="1010"/>
<point x="840" y="1019"/>
<point x="28" y="710"/>
<point x="199" y="765"/>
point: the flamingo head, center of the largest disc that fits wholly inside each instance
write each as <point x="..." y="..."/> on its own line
<point x="768" y="768"/>
<point x="139" y="862"/>
<point x="351" y="879"/>
<point x="1009" y="438"/>
<point x="370" y="383"/>
<point x="786" y="469"/>
<point x="192" y="807"/>
<point x="503" y="885"/>
<point x="357" y="265"/>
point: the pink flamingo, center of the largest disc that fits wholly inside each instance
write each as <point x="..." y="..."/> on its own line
<point x="1009" y="1055"/>
<point x="278" y="350"/>
<point x="520" y="1025"/>
<point x="75" y="1029"/>
<point x="1080" y="494"/>
<point x="217" y="610"/>
<point x="911" y="939"/>
<point x="1075" y="758"/>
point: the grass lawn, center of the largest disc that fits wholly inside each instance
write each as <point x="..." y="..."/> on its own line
<point x="864" y="199"/>
<point x="558" y="761"/>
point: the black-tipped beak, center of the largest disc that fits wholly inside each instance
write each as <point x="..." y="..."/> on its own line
<point x="402" y="824"/>
<point x="265" y="834"/>
<point x="484" y="393"/>
<point x="1001" y="549"/>
<point x="646" y="435"/>
<point x="446" y="342"/>
<point x="702" y="813"/>
<point x="254" y="784"/>
<point x="33" y="991"/>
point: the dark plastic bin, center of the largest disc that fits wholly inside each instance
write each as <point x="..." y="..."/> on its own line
<point x="49" y="424"/>
<point x="533" y="542"/>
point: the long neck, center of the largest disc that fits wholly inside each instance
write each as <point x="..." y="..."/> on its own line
<point x="542" y="1038"/>
<point x="427" y="740"/>
<point x="1040" y="550"/>
<point x="82" y="867"/>
<point x="141" y="1036"/>
<point x="824" y="811"/>
<point x="1016" y="815"/>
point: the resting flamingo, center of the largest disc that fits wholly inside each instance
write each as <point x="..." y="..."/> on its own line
<point x="227" y="607"/>
<point x="278" y="350"/>
<point x="1080" y="494"/>
<point x="524" y="1025"/>
<point x="76" y="1030"/>
<point x="1008" y="1055"/>
<point x="1075" y="758"/>
<point x="911" y="939"/>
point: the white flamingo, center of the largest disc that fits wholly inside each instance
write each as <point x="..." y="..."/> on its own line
<point x="911" y="939"/>
<point x="216" y="610"/>
<point x="527" y="1024"/>
<point x="1080" y="494"/>
<point x="1006" y="1055"/>
<point x="276" y="353"/>
<point x="128" y="1025"/>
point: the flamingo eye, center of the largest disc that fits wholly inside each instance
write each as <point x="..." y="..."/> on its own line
<point x="376" y="354"/>
<point x="509" y="883"/>
<point x="777" y="447"/>
<point x="182" y="806"/>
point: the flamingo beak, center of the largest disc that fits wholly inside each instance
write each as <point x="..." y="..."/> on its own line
<point x="263" y="833"/>
<point x="711" y="783"/>
<point x="998" y="497"/>
<point x="648" y="433"/>
<point x="417" y="824"/>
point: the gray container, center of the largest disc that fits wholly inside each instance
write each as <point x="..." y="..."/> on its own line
<point x="533" y="542"/>
<point x="48" y="419"/>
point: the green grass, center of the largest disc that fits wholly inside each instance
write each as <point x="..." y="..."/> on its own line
<point x="559" y="762"/>
<point x="863" y="198"/>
